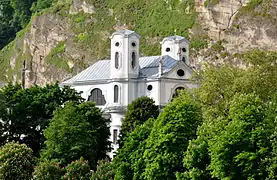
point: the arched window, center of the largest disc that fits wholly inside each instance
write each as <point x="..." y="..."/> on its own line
<point x="177" y="92"/>
<point x="133" y="59"/>
<point x="97" y="97"/>
<point x="116" y="93"/>
<point x="116" y="60"/>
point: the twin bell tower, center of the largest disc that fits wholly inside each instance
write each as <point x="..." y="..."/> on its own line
<point x="125" y="52"/>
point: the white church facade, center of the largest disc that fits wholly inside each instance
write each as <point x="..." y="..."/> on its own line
<point x="115" y="83"/>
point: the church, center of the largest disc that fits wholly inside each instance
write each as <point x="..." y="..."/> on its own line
<point x="115" y="83"/>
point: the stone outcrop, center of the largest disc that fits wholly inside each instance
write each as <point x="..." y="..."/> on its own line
<point x="241" y="31"/>
<point x="45" y="33"/>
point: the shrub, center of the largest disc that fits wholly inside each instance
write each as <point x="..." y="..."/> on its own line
<point x="16" y="162"/>
<point x="78" y="169"/>
<point x="48" y="170"/>
<point x="105" y="171"/>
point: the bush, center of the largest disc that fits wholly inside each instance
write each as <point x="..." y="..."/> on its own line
<point x="16" y="162"/>
<point x="48" y="170"/>
<point x="105" y="171"/>
<point x="78" y="169"/>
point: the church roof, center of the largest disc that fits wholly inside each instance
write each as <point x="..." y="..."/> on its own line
<point x="125" y="33"/>
<point x="175" y="39"/>
<point x="149" y="68"/>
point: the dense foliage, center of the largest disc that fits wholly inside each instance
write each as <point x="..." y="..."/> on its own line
<point x="29" y="111"/>
<point x="15" y="15"/>
<point x="139" y="111"/>
<point x="78" y="169"/>
<point x="77" y="130"/>
<point x="104" y="171"/>
<point x="235" y="140"/>
<point x="131" y="165"/>
<point x="16" y="162"/>
<point x="48" y="170"/>
<point x="172" y="130"/>
<point x="153" y="150"/>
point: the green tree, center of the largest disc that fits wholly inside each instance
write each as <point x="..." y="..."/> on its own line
<point x="260" y="76"/>
<point x="7" y="31"/>
<point x="240" y="150"/>
<point x="128" y="161"/>
<point x="139" y="111"/>
<point x="271" y="114"/>
<point x="16" y="162"/>
<point x="78" y="170"/>
<point x="22" y="11"/>
<point x="239" y="146"/>
<point x="48" y="170"/>
<point x="105" y="171"/>
<point x="170" y="136"/>
<point x="29" y="112"/>
<point x="219" y="84"/>
<point x="77" y="130"/>
<point x="196" y="160"/>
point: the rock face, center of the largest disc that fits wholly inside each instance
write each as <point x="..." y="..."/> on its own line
<point x="241" y="30"/>
<point x="45" y="33"/>
<point x="61" y="42"/>
<point x="81" y="6"/>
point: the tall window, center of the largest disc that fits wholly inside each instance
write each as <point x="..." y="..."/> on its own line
<point x="97" y="97"/>
<point x="116" y="60"/>
<point x="116" y="93"/>
<point x="133" y="59"/>
<point x="115" y="133"/>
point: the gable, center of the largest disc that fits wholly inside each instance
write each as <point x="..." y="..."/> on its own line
<point x="176" y="71"/>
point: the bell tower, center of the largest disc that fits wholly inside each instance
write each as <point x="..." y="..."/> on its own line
<point x="176" y="47"/>
<point x="124" y="54"/>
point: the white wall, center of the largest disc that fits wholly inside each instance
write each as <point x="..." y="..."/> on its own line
<point x="175" y="49"/>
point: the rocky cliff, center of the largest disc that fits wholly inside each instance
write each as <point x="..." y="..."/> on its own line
<point x="64" y="39"/>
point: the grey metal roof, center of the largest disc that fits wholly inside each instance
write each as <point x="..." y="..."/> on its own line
<point x="175" y="39"/>
<point x="149" y="68"/>
<point x="125" y="33"/>
<point x="98" y="71"/>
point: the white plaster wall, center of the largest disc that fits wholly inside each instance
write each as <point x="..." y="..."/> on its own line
<point x="133" y="72"/>
<point x="124" y="94"/>
<point x="174" y="50"/>
<point x="141" y="88"/>
<point x="86" y="89"/>
<point x="173" y="73"/>
<point x="155" y="92"/>
<point x="110" y="94"/>
<point x="125" y="50"/>
<point x="121" y="71"/>
<point x="115" y="124"/>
